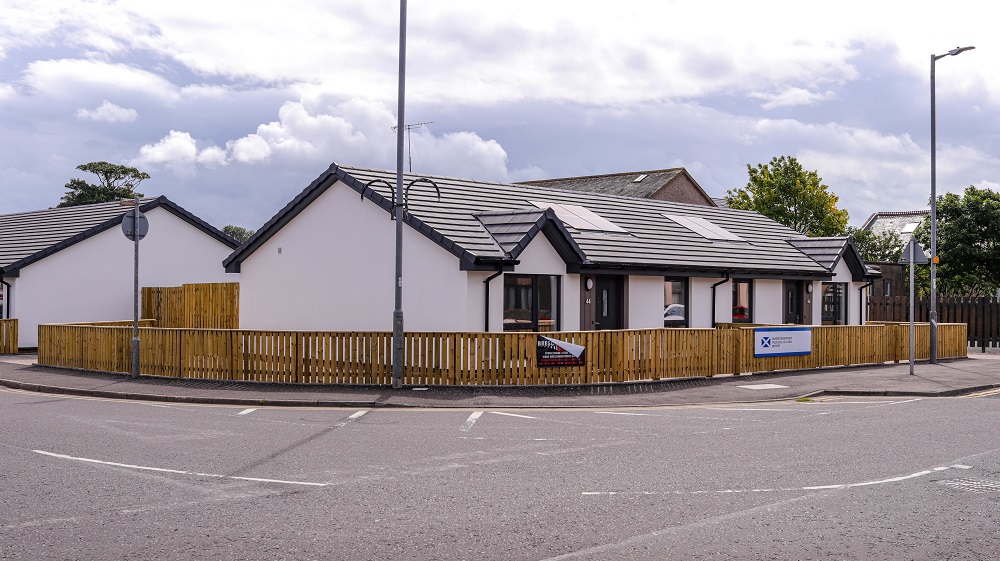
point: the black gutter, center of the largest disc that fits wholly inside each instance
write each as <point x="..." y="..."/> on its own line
<point x="725" y="280"/>
<point x="10" y="291"/>
<point x="487" y="307"/>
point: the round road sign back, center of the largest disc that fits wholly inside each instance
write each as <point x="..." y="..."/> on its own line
<point x="131" y="228"/>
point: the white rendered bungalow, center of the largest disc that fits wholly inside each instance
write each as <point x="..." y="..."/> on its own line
<point x="489" y="256"/>
<point x="74" y="264"/>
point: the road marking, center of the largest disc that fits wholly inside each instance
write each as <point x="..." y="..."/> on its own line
<point x="763" y="386"/>
<point x="617" y="413"/>
<point x="512" y="415"/>
<point x="177" y="471"/>
<point x="986" y="393"/>
<point x="351" y="419"/>
<point x="471" y="420"/>
<point x="246" y="411"/>
<point x="783" y="489"/>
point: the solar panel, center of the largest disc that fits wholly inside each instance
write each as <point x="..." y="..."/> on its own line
<point x="580" y="217"/>
<point x="705" y="228"/>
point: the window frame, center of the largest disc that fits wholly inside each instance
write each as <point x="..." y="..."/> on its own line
<point x="750" y="303"/>
<point x="687" y="302"/>
<point x="844" y="309"/>
<point x="535" y="302"/>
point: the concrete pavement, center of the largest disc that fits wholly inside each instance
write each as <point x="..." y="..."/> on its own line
<point x="947" y="378"/>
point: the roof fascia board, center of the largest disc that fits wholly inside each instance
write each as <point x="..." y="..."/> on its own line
<point x="279" y="220"/>
<point x="633" y="270"/>
<point x="331" y="176"/>
<point x="13" y="270"/>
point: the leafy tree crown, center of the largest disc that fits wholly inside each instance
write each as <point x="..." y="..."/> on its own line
<point x="784" y="192"/>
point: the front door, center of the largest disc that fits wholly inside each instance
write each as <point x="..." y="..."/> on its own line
<point x="608" y="298"/>
<point x="792" y="302"/>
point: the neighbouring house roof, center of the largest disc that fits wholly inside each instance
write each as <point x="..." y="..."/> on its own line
<point x="720" y="202"/>
<point x="27" y="237"/>
<point x="482" y="224"/>
<point x="895" y="222"/>
<point x="655" y="184"/>
<point x="829" y="251"/>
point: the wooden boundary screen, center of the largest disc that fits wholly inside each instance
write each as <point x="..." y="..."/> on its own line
<point x="198" y="306"/>
<point x="482" y="359"/>
<point x="8" y="336"/>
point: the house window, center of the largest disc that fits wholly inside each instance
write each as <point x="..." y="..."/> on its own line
<point x="675" y="300"/>
<point x="530" y="303"/>
<point x="887" y="287"/>
<point x="742" y="300"/>
<point x="834" y="303"/>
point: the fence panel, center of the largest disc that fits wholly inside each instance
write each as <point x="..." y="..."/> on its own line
<point x="484" y="359"/>
<point x="8" y="336"/>
<point x="193" y="306"/>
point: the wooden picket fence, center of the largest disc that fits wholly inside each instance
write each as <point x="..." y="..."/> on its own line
<point x="481" y="359"/>
<point x="197" y="306"/>
<point x="8" y="336"/>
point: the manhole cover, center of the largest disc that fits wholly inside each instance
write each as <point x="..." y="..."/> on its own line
<point x="974" y="485"/>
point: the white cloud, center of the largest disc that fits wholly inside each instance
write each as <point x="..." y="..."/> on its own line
<point x="213" y="156"/>
<point x="358" y="131"/>
<point x="70" y="78"/>
<point x="7" y="92"/>
<point x="250" y="149"/>
<point x="177" y="148"/>
<point x="791" y="97"/>
<point x="109" y="113"/>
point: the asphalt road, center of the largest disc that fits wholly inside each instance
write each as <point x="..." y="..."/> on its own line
<point x="842" y="478"/>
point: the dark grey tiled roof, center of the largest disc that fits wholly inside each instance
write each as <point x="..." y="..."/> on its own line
<point x="620" y="184"/>
<point x="829" y="251"/>
<point x="652" y="242"/>
<point x="27" y="237"/>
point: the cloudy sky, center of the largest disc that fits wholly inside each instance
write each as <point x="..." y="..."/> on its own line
<point x="234" y="107"/>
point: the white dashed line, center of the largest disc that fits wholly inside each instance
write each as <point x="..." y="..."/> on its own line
<point x="785" y="489"/>
<point x="246" y="411"/>
<point x="512" y="415"/>
<point x="177" y="471"/>
<point x="352" y="418"/>
<point x="471" y="420"/>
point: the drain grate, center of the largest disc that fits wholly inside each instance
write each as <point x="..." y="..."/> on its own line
<point x="973" y="485"/>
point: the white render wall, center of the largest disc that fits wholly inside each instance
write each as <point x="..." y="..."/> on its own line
<point x="332" y="268"/>
<point x="767" y="301"/>
<point x="93" y="279"/>
<point x="645" y="302"/>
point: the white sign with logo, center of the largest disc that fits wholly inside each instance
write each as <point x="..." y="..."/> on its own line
<point x="782" y="341"/>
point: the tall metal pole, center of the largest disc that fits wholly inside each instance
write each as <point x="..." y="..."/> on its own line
<point x="933" y="312"/>
<point x="135" y="293"/>
<point x="397" y="314"/>
<point x="934" y="257"/>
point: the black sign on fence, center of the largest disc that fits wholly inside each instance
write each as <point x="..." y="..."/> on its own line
<point x="552" y="352"/>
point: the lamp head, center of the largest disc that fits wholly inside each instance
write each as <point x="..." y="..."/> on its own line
<point x="958" y="50"/>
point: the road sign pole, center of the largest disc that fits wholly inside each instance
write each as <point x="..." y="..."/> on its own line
<point x="135" y="294"/>
<point x="911" y="248"/>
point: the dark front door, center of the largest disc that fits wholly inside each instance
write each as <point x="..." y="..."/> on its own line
<point x="608" y="298"/>
<point x="793" y="302"/>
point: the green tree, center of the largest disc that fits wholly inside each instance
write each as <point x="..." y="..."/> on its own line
<point x="238" y="233"/>
<point x="786" y="193"/>
<point x="117" y="182"/>
<point x="876" y="248"/>
<point x="968" y="242"/>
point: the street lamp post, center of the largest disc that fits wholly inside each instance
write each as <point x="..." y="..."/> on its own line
<point x="934" y="257"/>
<point x="397" y="314"/>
